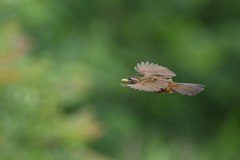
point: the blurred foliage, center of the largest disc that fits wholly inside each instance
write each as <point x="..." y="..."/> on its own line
<point x="60" y="67"/>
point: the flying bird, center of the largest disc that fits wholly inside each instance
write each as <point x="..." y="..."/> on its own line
<point x="158" y="79"/>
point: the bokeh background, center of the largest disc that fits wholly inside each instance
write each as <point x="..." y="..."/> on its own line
<point x="60" y="67"/>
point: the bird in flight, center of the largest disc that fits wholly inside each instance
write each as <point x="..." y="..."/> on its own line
<point x="158" y="79"/>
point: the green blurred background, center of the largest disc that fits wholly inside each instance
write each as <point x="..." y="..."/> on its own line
<point x="60" y="67"/>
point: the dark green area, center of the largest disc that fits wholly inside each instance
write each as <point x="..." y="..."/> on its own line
<point x="60" y="67"/>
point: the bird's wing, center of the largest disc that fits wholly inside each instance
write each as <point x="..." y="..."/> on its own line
<point x="149" y="86"/>
<point x="147" y="69"/>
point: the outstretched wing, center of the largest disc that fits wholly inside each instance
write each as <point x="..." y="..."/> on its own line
<point x="149" y="86"/>
<point x="147" y="69"/>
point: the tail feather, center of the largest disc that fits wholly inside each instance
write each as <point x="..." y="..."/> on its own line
<point x="187" y="88"/>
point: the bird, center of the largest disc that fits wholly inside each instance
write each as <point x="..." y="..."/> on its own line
<point x="157" y="78"/>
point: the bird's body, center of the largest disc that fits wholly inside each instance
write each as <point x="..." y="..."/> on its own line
<point x="159" y="79"/>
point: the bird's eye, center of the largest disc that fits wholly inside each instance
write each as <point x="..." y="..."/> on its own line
<point x="130" y="79"/>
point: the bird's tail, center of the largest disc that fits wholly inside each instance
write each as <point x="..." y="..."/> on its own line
<point x="186" y="88"/>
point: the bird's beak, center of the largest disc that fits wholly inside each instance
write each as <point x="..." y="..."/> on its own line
<point x="125" y="80"/>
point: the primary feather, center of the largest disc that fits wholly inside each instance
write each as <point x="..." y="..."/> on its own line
<point x="147" y="69"/>
<point x="150" y="86"/>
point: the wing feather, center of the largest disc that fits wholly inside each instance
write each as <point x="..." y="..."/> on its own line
<point x="147" y="69"/>
<point x="149" y="86"/>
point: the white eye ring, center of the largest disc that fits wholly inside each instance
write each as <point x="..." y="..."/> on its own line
<point x="131" y="79"/>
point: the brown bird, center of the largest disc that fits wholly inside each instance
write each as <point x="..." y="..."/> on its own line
<point x="159" y="79"/>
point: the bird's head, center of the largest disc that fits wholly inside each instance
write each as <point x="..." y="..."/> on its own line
<point x="132" y="80"/>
